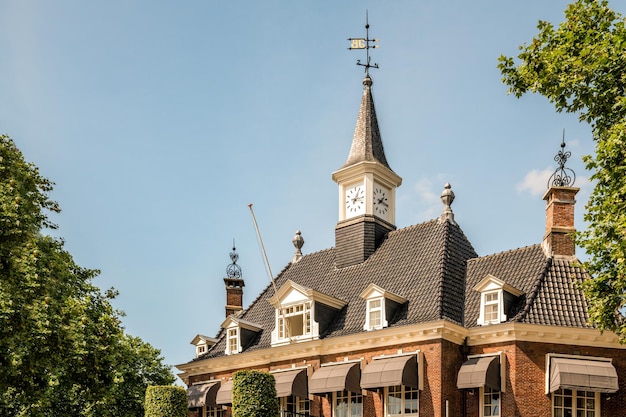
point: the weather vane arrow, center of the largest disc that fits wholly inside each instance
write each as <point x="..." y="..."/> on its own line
<point x="365" y="43"/>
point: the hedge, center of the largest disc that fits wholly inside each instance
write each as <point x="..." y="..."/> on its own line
<point x="254" y="395"/>
<point x="166" y="401"/>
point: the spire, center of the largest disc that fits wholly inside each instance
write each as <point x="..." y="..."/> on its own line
<point x="367" y="144"/>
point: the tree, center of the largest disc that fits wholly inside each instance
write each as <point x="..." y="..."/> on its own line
<point x="63" y="350"/>
<point x="254" y="394"/>
<point x="580" y="66"/>
<point x="166" y="401"/>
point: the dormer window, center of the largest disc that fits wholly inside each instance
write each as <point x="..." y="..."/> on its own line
<point x="496" y="298"/>
<point x="295" y="320"/>
<point x="202" y="344"/>
<point x="233" y="341"/>
<point x="382" y="305"/>
<point x="238" y="334"/>
<point x="302" y="313"/>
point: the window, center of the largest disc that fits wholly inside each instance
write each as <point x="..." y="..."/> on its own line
<point x="294" y="321"/>
<point x="381" y="306"/>
<point x="347" y="404"/>
<point x="490" y="402"/>
<point x="496" y="298"/>
<point x="233" y="341"/>
<point x="491" y="307"/>
<point x="375" y="313"/>
<point x="292" y="406"/>
<point x="401" y="401"/>
<point x="570" y="403"/>
<point x="200" y="349"/>
<point x="214" y="412"/>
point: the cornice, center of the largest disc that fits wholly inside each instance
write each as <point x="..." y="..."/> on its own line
<point x="516" y="332"/>
<point x="394" y="336"/>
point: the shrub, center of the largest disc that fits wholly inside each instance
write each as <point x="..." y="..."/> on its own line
<point x="254" y="394"/>
<point x="166" y="401"/>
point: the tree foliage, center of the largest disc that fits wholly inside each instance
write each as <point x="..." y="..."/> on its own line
<point x="166" y="401"/>
<point x="580" y="66"/>
<point x="254" y="394"/>
<point x="63" y="350"/>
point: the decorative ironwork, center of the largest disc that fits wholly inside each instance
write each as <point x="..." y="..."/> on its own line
<point x="233" y="270"/>
<point x="562" y="176"/>
<point x="364" y="43"/>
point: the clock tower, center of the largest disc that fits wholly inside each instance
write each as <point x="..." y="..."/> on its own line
<point x="366" y="189"/>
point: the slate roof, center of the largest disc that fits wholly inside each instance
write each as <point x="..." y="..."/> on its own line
<point x="424" y="264"/>
<point x="548" y="284"/>
<point x="434" y="266"/>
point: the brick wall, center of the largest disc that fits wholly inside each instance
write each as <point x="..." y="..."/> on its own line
<point x="525" y="379"/>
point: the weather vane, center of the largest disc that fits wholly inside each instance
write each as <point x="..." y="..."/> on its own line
<point x="364" y="43"/>
<point x="233" y="270"/>
<point x="561" y="176"/>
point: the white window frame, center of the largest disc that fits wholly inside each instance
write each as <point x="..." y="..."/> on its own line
<point x="373" y="293"/>
<point x="291" y="294"/>
<point x="286" y="314"/>
<point x="352" y="408"/>
<point x="382" y="321"/>
<point x="298" y="405"/>
<point x="488" y="286"/>
<point x="484" y="392"/>
<point x="575" y="395"/>
<point x="404" y="390"/>
<point x="486" y="304"/>
<point x="200" y="349"/>
<point x="213" y="411"/>
<point x="232" y="334"/>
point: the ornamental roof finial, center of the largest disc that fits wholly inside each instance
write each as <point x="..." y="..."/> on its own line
<point x="562" y="176"/>
<point x="298" y="242"/>
<point x="447" y="197"/>
<point x="233" y="270"/>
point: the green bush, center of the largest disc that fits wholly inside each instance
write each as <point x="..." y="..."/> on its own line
<point x="166" y="401"/>
<point x="254" y="395"/>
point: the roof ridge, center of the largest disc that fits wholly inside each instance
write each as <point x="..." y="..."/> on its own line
<point x="478" y="258"/>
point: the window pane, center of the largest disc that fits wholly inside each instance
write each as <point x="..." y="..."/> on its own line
<point x="394" y="400"/>
<point x="411" y="401"/>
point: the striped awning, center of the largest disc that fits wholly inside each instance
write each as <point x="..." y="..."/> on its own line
<point x="292" y="383"/>
<point x="479" y="372"/>
<point x="202" y="394"/>
<point x="582" y="375"/>
<point x="225" y="393"/>
<point x="388" y="372"/>
<point x="337" y="377"/>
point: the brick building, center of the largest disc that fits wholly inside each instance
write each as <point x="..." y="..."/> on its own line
<point x="412" y="322"/>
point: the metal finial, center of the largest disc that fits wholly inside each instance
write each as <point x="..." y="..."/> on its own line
<point x="233" y="270"/>
<point x="562" y="176"/>
<point x="298" y="242"/>
<point x="447" y="197"/>
<point x="365" y="43"/>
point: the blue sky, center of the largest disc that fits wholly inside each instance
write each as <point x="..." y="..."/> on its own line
<point x="159" y="121"/>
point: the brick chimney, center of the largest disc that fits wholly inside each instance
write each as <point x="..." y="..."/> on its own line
<point x="558" y="240"/>
<point x="234" y="285"/>
<point x="234" y="295"/>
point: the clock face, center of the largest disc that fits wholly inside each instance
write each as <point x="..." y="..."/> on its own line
<point x="381" y="201"/>
<point x="355" y="200"/>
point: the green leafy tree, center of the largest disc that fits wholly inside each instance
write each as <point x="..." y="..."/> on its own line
<point x="580" y="66"/>
<point x="254" y="394"/>
<point x="166" y="401"/>
<point x="63" y="350"/>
